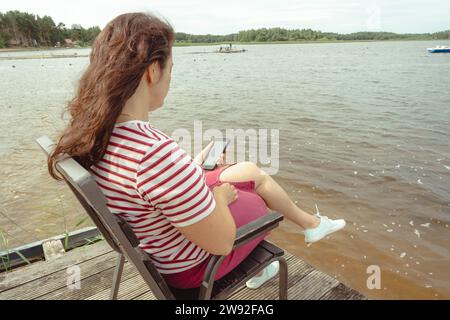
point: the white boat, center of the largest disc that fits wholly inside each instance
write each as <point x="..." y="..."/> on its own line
<point x="439" y="49"/>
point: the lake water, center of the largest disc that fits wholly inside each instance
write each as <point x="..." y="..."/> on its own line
<point x="364" y="133"/>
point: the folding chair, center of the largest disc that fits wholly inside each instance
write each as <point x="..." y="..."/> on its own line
<point x="121" y="238"/>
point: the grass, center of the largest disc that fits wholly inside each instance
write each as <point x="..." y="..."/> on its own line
<point x="66" y="230"/>
<point x="63" y="214"/>
<point x="79" y="223"/>
<point x="5" y="259"/>
<point x="93" y="240"/>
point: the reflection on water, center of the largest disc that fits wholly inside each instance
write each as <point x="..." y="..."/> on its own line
<point x="364" y="133"/>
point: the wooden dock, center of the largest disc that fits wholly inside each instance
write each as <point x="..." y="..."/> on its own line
<point x="47" y="280"/>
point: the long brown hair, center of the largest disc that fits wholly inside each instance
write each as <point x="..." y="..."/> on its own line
<point x="119" y="57"/>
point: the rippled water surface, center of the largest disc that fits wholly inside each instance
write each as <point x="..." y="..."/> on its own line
<point x="364" y="134"/>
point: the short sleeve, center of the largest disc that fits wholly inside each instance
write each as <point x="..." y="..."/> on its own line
<point x="173" y="183"/>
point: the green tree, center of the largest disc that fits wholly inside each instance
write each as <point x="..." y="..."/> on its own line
<point x="24" y="29"/>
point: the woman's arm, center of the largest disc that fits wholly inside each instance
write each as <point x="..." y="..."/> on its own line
<point x="215" y="233"/>
<point x="202" y="155"/>
<point x="168" y="179"/>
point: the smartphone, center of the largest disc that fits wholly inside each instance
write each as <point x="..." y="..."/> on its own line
<point x="219" y="146"/>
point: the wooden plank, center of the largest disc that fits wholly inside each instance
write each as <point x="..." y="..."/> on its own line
<point x="312" y="286"/>
<point x="43" y="268"/>
<point x="129" y="289"/>
<point x="287" y="255"/>
<point x="239" y="283"/>
<point x="146" y="296"/>
<point x="44" y="285"/>
<point x="34" y="251"/>
<point x="90" y="286"/>
<point x="297" y="269"/>
<point x="288" y="258"/>
<point x="135" y="287"/>
<point x="47" y="280"/>
<point x="342" y="292"/>
<point x="149" y="296"/>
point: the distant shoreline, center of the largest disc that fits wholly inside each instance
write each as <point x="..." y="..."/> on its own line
<point x="20" y="49"/>
<point x="197" y="44"/>
<point x="193" y="44"/>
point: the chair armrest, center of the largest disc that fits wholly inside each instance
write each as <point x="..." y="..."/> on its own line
<point x="46" y="144"/>
<point x="255" y="228"/>
<point x="244" y="234"/>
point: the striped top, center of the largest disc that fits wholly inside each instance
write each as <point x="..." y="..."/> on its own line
<point x="156" y="186"/>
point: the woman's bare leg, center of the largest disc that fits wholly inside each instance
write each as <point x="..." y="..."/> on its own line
<point x="275" y="197"/>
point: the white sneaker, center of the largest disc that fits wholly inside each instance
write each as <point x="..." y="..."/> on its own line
<point x="268" y="273"/>
<point x="326" y="227"/>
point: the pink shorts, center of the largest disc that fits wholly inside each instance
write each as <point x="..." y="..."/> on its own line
<point x="248" y="207"/>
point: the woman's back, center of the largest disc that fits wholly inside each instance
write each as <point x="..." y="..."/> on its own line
<point x="154" y="185"/>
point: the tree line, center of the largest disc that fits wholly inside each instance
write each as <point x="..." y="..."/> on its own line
<point x="24" y="30"/>
<point x="280" y="34"/>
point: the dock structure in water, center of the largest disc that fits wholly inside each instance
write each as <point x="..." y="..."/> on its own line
<point x="47" y="280"/>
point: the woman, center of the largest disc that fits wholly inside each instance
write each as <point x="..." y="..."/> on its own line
<point x="180" y="213"/>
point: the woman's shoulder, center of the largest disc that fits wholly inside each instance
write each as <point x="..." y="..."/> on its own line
<point x="138" y="136"/>
<point x="139" y="132"/>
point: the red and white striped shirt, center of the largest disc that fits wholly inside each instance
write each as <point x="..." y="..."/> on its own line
<point x="156" y="186"/>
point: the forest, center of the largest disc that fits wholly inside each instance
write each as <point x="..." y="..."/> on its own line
<point x="21" y="29"/>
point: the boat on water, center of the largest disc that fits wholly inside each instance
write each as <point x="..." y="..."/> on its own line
<point x="439" y="49"/>
<point x="229" y="49"/>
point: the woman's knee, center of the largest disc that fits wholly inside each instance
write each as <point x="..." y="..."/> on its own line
<point x="257" y="174"/>
<point x="243" y="171"/>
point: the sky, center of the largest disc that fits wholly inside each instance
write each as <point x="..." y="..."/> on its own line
<point x="230" y="16"/>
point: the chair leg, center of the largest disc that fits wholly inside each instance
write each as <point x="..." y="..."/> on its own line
<point x="116" y="277"/>
<point x="283" y="287"/>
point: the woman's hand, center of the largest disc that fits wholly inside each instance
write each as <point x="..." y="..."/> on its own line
<point x="202" y="156"/>
<point x="226" y="192"/>
<point x="221" y="161"/>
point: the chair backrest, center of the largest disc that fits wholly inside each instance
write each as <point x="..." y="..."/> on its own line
<point x="115" y="229"/>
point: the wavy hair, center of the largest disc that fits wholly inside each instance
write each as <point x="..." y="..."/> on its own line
<point x="119" y="57"/>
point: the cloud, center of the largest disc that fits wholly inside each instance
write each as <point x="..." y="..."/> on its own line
<point x="223" y="17"/>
